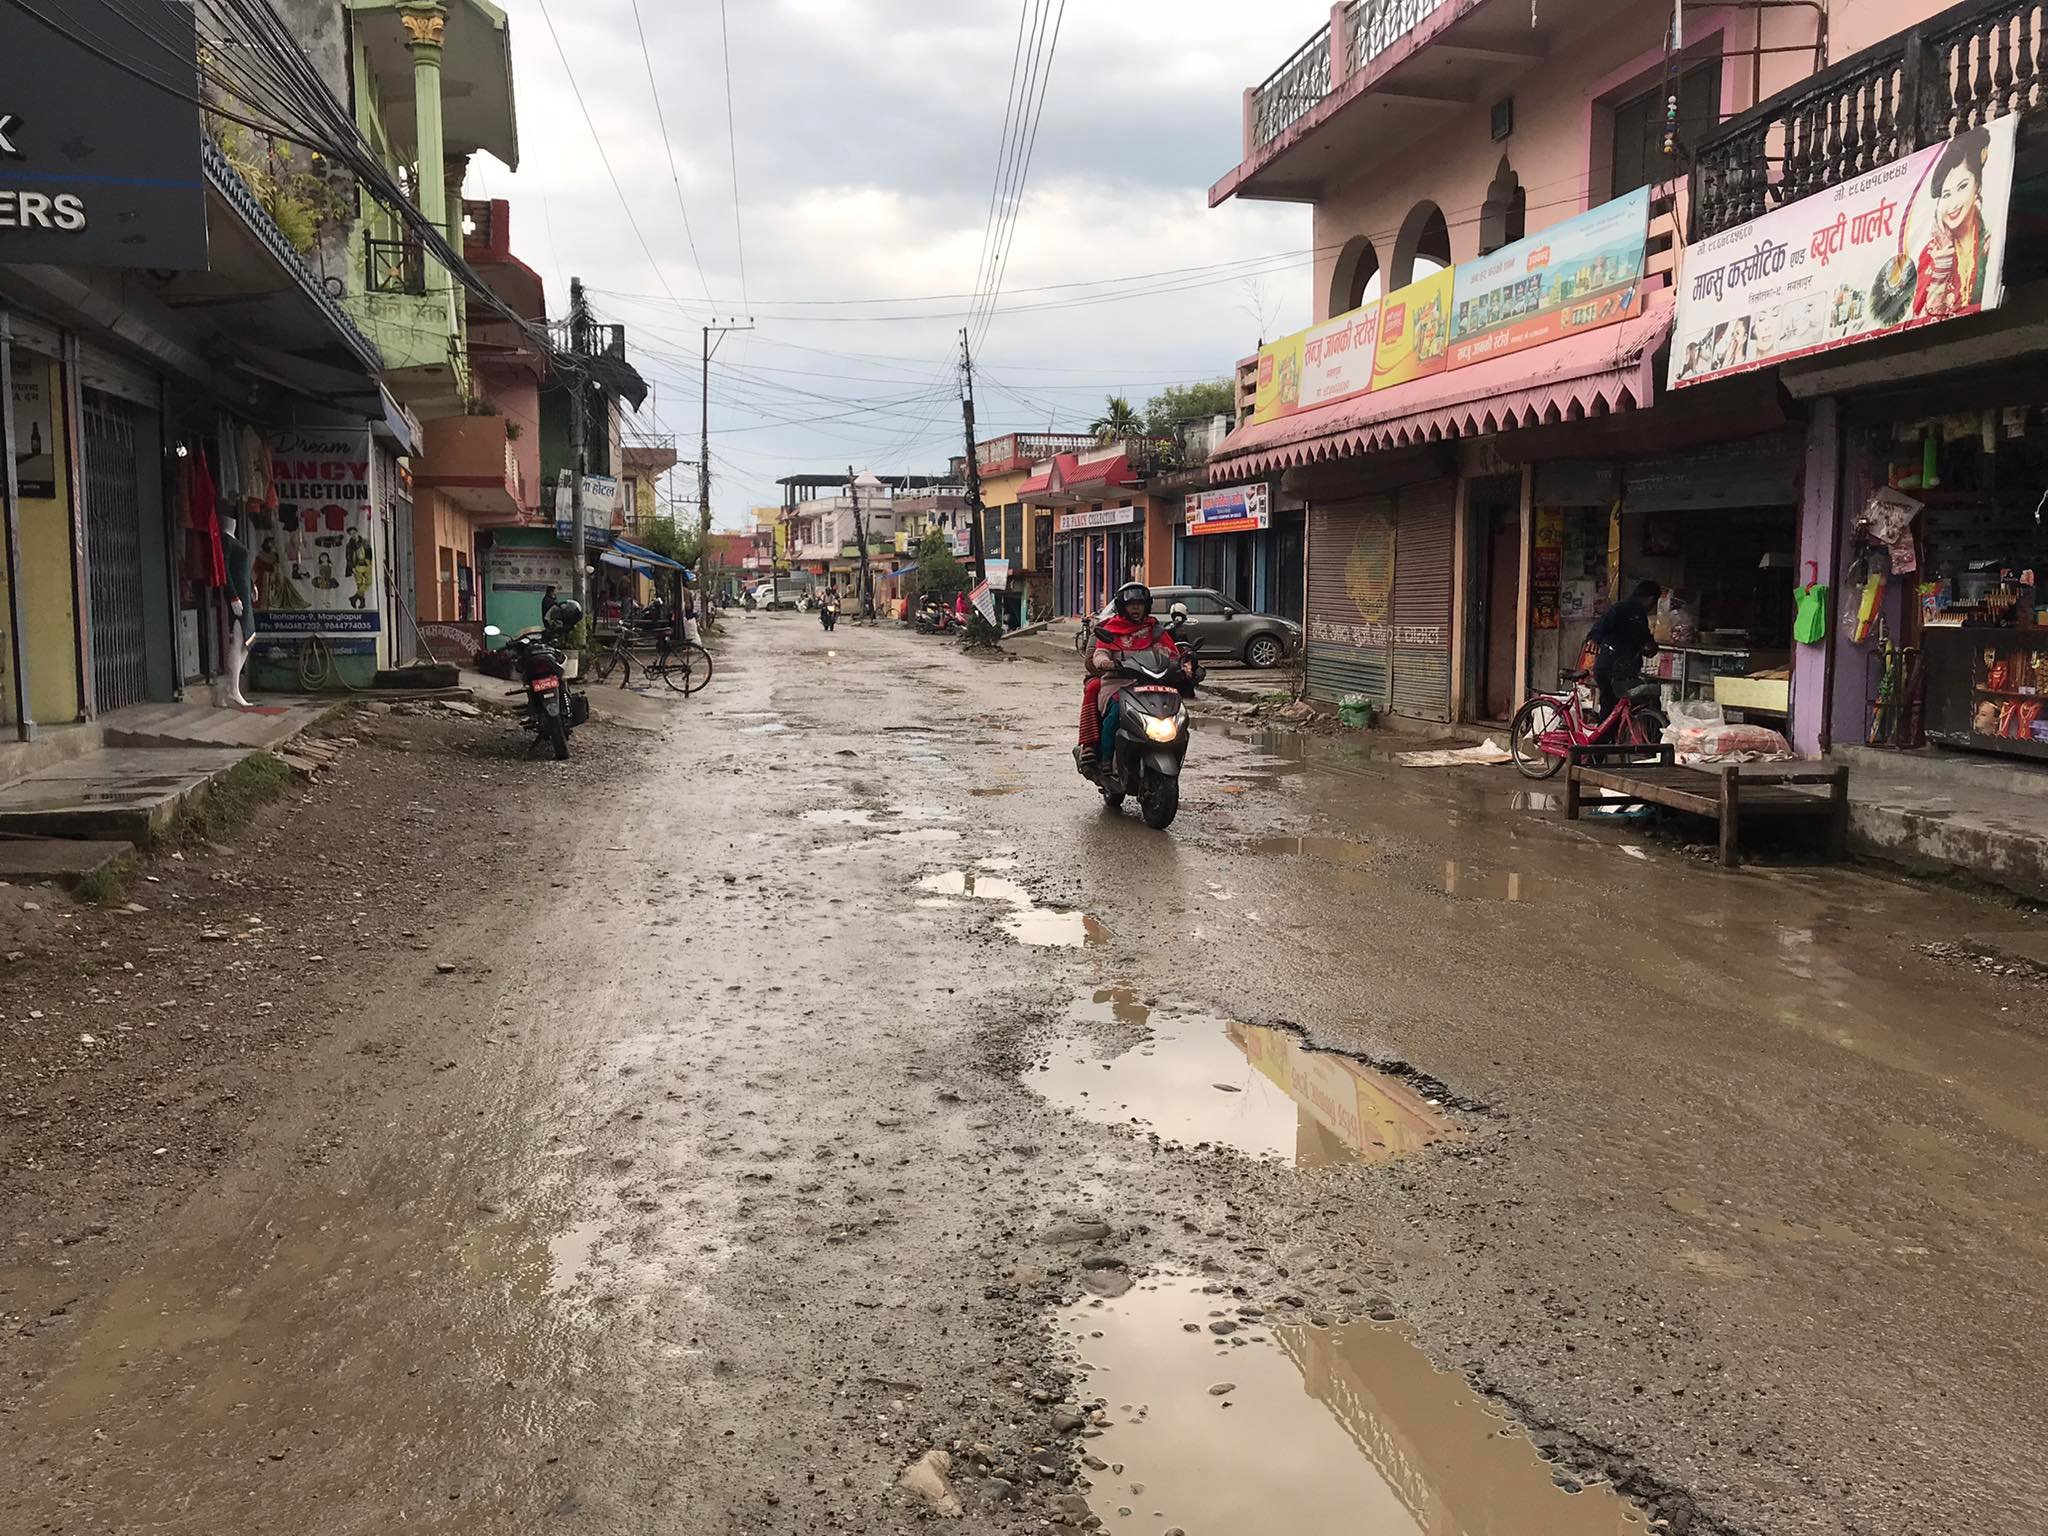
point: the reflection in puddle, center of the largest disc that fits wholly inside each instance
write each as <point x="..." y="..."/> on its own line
<point x="995" y="790"/>
<point x="572" y="1252"/>
<point x="1534" y="800"/>
<point x="1027" y="922"/>
<point x="1258" y="1091"/>
<point x="1332" y="850"/>
<point x="846" y="817"/>
<point x="772" y="728"/>
<point x="1493" y="884"/>
<point x="1323" y="1431"/>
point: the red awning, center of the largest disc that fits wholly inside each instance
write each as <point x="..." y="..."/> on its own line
<point x="1037" y="482"/>
<point x="1112" y="471"/>
<point x="1594" y="373"/>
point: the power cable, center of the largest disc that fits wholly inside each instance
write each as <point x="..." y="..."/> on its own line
<point x="668" y="146"/>
<point x="732" y="145"/>
<point x="1002" y="148"/>
<point x="984" y="280"/>
<point x="995" y="296"/>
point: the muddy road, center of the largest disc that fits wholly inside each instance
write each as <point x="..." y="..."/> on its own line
<point x="824" y="1081"/>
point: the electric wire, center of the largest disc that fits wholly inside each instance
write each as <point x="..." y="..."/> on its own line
<point x="668" y="148"/>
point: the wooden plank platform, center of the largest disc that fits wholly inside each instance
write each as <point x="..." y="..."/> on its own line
<point x="1636" y="775"/>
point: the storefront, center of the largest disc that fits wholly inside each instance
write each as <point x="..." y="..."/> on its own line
<point x="1095" y="551"/>
<point x="1379" y="598"/>
<point x="1247" y="542"/>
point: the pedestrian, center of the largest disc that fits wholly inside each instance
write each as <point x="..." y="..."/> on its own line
<point x="1621" y="639"/>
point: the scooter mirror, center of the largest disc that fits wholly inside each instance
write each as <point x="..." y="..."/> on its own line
<point x="493" y="631"/>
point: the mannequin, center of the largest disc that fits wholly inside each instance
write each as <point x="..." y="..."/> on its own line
<point x="242" y="607"/>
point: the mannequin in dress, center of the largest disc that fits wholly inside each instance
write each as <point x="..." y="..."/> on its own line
<point x="242" y="606"/>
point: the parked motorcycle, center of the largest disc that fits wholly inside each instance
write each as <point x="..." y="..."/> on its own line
<point x="1143" y="757"/>
<point x="539" y="658"/>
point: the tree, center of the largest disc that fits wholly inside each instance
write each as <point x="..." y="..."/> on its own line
<point x="939" y="574"/>
<point x="1189" y="402"/>
<point x="1117" y="420"/>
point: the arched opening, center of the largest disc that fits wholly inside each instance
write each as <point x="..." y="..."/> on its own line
<point x="1357" y="278"/>
<point x="1423" y="246"/>
<point x="1504" y="216"/>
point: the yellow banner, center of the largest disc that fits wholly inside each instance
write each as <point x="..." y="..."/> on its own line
<point x="1415" y="331"/>
<point x="1279" y="387"/>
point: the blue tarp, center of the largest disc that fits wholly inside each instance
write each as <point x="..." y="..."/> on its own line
<point x="624" y="552"/>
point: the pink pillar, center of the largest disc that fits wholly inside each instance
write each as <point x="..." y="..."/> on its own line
<point x="1340" y="50"/>
<point x="1251" y="109"/>
<point x="1819" y="518"/>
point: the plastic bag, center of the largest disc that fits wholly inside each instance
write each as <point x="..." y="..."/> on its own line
<point x="1810" y="620"/>
<point x="1699" y="745"/>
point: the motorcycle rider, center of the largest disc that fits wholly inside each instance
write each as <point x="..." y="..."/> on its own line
<point x="1130" y="628"/>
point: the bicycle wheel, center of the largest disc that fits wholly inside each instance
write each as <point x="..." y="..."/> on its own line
<point x="609" y="663"/>
<point x="1536" y="736"/>
<point x="688" y="669"/>
<point x="1646" y="727"/>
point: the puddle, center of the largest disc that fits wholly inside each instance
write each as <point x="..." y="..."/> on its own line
<point x="1534" y="800"/>
<point x="572" y="1253"/>
<point x="916" y="835"/>
<point x="843" y="818"/>
<point x="1331" y="850"/>
<point x="1027" y="922"/>
<point x="1197" y="1080"/>
<point x="995" y="790"/>
<point x="1324" y="1431"/>
<point x="772" y="728"/>
<point x="1473" y="884"/>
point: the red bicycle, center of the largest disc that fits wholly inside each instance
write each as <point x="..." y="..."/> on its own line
<point x="1549" y="725"/>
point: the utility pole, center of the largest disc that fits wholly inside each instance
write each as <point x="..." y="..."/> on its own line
<point x="973" y="463"/>
<point x="704" y="453"/>
<point x="578" y="331"/>
<point x="860" y="537"/>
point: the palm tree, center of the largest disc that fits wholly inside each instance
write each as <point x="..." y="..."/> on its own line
<point x="1117" y="420"/>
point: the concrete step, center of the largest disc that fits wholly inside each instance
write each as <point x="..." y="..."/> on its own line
<point x="122" y="794"/>
<point x="1942" y="770"/>
<point x="64" y="860"/>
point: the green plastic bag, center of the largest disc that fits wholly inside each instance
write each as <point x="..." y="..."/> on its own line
<point x="1810" y="614"/>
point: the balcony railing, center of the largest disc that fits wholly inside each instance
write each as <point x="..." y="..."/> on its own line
<point x="1291" y="92"/>
<point x="1961" y="69"/>
<point x="659" y="441"/>
<point x="1029" y="447"/>
<point x="589" y="338"/>
<point x="394" y="266"/>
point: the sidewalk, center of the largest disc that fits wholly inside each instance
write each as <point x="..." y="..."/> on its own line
<point x="1946" y="813"/>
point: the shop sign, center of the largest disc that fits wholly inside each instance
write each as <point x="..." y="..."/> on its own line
<point x="512" y="569"/>
<point x="35" y="435"/>
<point x="1239" y="509"/>
<point x="315" y="553"/>
<point x="1101" y="517"/>
<point x="601" y="508"/>
<point x="998" y="574"/>
<point x="1546" y="569"/>
<point x="982" y="596"/>
<point x="1919" y="240"/>
<point x="963" y="543"/>
<point x="99" y="155"/>
<point x="1415" y="331"/>
<point x="1576" y="276"/>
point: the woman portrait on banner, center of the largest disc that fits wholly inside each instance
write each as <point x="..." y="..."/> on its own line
<point x="1952" y="262"/>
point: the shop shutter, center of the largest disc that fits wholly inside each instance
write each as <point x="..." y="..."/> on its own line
<point x="114" y="564"/>
<point x="1350" y="597"/>
<point x="112" y="374"/>
<point x="1421" y="651"/>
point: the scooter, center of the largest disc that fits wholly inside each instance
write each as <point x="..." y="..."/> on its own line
<point x="553" y="709"/>
<point x="828" y="613"/>
<point x="1143" y="756"/>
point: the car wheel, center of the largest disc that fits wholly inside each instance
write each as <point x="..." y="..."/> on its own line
<point x="1264" y="651"/>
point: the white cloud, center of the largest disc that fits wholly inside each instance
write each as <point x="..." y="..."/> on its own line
<point x="867" y="134"/>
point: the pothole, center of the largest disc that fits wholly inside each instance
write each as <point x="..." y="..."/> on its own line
<point x="995" y="790"/>
<point x="845" y="816"/>
<point x="1472" y="883"/>
<point x="1025" y="921"/>
<point x="1319" y="1431"/>
<point x="768" y="728"/>
<point x="1201" y="1081"/>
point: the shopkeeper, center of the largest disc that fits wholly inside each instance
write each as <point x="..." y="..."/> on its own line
<point x="1620" y="639"/>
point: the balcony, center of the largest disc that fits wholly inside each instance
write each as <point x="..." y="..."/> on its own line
<point x="1020" y="450"/>
<point x="1377" y="78"/>
<point x="1961" y="69"/>
<point x="471" y="460"/>
<point x="652" y="453"/>
<point x="403" y="305"/>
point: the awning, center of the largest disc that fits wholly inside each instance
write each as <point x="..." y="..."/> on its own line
<point x="1595" y="373"/>
<point x="624" y="552"/>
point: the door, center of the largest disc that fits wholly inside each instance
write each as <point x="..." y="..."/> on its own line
<point x="1503" y="603"/>
<point x="1286" y="579"/>
<point x="1421" y="639"/>
<point x="1350" y="597"/>
<point x="404" y="582"/>
<point x="113" y="553"/>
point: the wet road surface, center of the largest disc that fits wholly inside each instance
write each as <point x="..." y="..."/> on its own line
<point x="844" y="1085"/>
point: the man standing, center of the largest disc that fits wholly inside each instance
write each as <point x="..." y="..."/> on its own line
<point x="1620" y="639"/>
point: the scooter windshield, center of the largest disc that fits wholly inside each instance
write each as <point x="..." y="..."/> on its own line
<point x="1156" y="662"/>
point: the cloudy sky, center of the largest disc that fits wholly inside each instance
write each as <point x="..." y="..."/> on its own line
<point x="866" y="134"/>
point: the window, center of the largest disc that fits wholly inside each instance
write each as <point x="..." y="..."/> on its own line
<point x="1638" y="147"/>
<point x="1200" y="604"/>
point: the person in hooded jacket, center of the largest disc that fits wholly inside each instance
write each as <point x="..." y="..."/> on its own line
<point x="1130" y="628"/>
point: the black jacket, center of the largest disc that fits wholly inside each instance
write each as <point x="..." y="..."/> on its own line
<point x="1625" y="628"/>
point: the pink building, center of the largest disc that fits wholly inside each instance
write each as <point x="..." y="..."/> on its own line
<point x="1487" y="421"/>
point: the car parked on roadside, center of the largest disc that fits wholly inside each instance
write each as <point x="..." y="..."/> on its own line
<point x="1228" y="631"/>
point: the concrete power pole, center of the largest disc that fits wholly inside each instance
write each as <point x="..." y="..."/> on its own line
<point x="704" y="462"/>
<point x="973" y="463"/>
<point x="578" y="455"/>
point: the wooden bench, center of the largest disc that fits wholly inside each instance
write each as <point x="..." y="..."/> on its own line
<point x="1633" y="775"/>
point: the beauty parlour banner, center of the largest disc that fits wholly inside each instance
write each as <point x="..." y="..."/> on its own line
<point x="1919" y="240"/>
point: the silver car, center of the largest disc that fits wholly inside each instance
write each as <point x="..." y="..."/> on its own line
<point x="1227" y="631"/>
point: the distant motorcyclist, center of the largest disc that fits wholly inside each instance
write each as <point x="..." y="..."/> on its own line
<point x="1130" y="628"/>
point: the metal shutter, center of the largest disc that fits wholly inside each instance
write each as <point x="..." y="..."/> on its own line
<point x="1350" y="597"/>
<point x="113" y="541"/>
<point x="1421" y="658"/>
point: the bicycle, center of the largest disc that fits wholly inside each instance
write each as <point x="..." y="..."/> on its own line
<point x="684" y="668"/>
<point x="1549" y="725"/>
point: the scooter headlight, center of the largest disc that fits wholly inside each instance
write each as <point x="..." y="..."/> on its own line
<point x="1163" y="727"/>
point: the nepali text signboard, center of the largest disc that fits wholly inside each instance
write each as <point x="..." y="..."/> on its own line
<point x="99" y="154"/>
<point x="1235" y="509"/>
<point x="1575" y="276"/>
<point x="601" y="510"/>
<point x="315" y="552"/>
<point x="1919" y="240"/>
